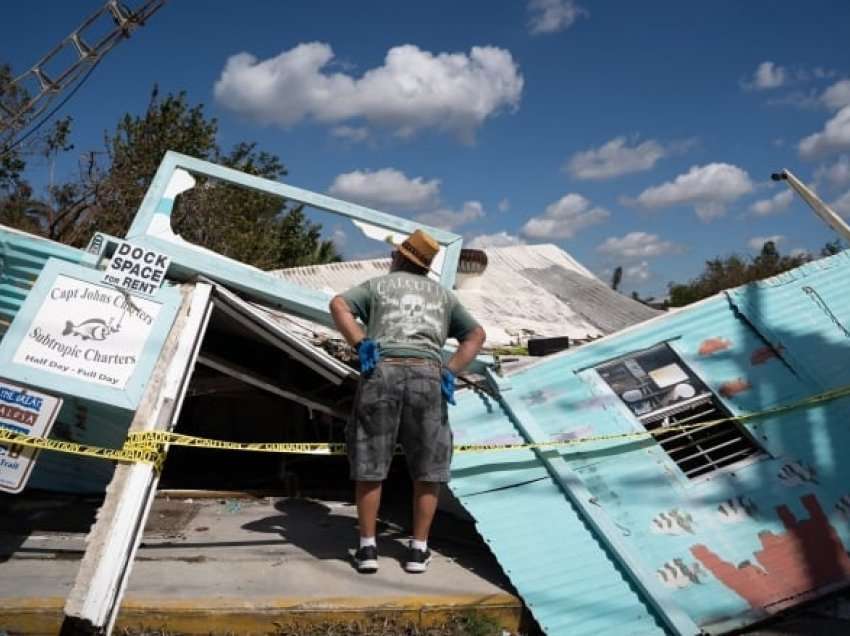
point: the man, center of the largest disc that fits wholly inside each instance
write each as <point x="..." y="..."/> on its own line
<point x="404" y="387"/>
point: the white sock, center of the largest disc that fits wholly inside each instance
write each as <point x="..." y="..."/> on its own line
<point x="416" y="544"/>
<point x="367" y="541"/>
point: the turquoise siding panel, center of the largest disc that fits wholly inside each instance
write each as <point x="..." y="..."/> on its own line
<point x="563" y="573"/>
<point x="83" y="422"/>
<point x="735" y="546"/>
<point x="806" y="312"/>
<point x="22" y="257"/>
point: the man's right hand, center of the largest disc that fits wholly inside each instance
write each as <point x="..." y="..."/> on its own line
<point x="367" y="351"/>
<point x="447" y="385"/>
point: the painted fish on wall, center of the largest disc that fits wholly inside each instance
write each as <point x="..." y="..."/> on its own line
<point x="677" y="574"/>
<point x="710" y="346"/>
<point x="673" y="522"/>
<point x="736" y="510"/>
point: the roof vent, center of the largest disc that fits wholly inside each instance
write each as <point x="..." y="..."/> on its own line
<point x="470" y="266"/>
<point x="472" y="262"/>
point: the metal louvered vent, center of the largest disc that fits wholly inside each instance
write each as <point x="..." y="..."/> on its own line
<point x="662" y="392"/>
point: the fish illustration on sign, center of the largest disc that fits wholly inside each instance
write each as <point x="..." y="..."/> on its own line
<point x="91" y="329"/>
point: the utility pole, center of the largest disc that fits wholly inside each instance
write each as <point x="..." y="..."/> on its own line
<point x="826" y="213"/>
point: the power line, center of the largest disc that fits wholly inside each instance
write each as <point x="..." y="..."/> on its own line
<point x="9" y="148"/>
<point x="123" y="21"/>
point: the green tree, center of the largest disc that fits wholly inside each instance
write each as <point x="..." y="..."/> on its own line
<point x="18" y="207"/>
<point x="731" y="271"/>
<point x="832" y="248"/>
<point x="255" y="228"/>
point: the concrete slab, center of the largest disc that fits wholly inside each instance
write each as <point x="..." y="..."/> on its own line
<point x="245" y="565"/>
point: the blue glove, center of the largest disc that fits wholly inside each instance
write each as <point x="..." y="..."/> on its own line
<point x="447" y="384"/>
<point x="367" y="351"/>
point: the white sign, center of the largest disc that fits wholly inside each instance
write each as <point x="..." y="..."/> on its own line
<point x="26" y="412"/>
<point x="88" y="332"/>
<point x="136" y="269"/>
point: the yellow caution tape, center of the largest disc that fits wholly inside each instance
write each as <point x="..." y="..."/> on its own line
<point x="151" y="446"/>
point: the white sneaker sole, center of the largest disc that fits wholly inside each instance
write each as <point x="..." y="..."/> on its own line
<point x="417" y="568"/>
<point x="370" y="565"/>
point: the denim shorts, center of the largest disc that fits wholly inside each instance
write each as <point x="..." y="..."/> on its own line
<point x="400" y="402"/>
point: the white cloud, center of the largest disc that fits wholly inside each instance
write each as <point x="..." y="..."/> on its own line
<point x="757" y="242"/>
<point x="799" y="251"/>
<point x="339" y="237"/>
<point x="833" y="98"/>
<point x="766" y="76"/>
<point x="499" y="239"/>
<point x="449" y="219"/>
<point x="637" y="245"/>
<point x="564" y="218"/>
<point x="842" y="205"/>
<point x="615" y="158"/>
<point x="551" y="16"/>
<point x="837" y="96"/>
<point x="824" y="73"/>
<point x="708" y="188"/>
<point x="637" y="273"/>
<point x="838" y="174"/>
<point x="835" y="137"/>
<point x="351" y="133"/>
<point x="411" y="91"/>
<point x="504" y="205"/>
<point x="803" y="99"/>
<point x="386" y="188"/>
<point x="773" y="205"/>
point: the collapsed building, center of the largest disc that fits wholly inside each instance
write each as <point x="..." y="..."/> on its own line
<point x="705" y="495"/>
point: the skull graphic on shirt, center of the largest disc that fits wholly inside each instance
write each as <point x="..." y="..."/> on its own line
<point x="412" y="308"/>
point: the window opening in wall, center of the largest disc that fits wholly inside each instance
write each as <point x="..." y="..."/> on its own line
<point x="662" y="392"/>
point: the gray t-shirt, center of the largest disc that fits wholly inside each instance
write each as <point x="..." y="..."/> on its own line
<point x="409" y="315"/>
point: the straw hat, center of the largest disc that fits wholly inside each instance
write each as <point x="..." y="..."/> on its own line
<point x="419" y="248"/>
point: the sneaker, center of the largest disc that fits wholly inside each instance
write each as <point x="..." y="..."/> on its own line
<point x="366" y="559"/>
<point x="417" y="560"/>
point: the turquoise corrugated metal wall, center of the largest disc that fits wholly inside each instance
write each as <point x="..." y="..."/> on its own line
<point x="560" y="569"/>
<point x="83" y="422"/>
<point x="22" y="257"/>
<point x="799" y="493"/>
<point x="806" y="311"/>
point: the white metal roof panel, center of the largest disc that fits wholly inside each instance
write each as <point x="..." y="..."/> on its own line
<point x="526" y="290"/>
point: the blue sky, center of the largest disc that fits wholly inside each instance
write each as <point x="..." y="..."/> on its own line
<point x="639" y="134"/>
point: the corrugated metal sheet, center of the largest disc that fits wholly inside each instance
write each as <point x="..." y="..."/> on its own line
<point x="541" y="256"/>
<point x="808" y="310"/>
<point x="565" y="576"/>
<point x="507" y="298"/>
<point x="22" y="257"/>
<point x="729" y="549"/>
<point x="598" y="304"/>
